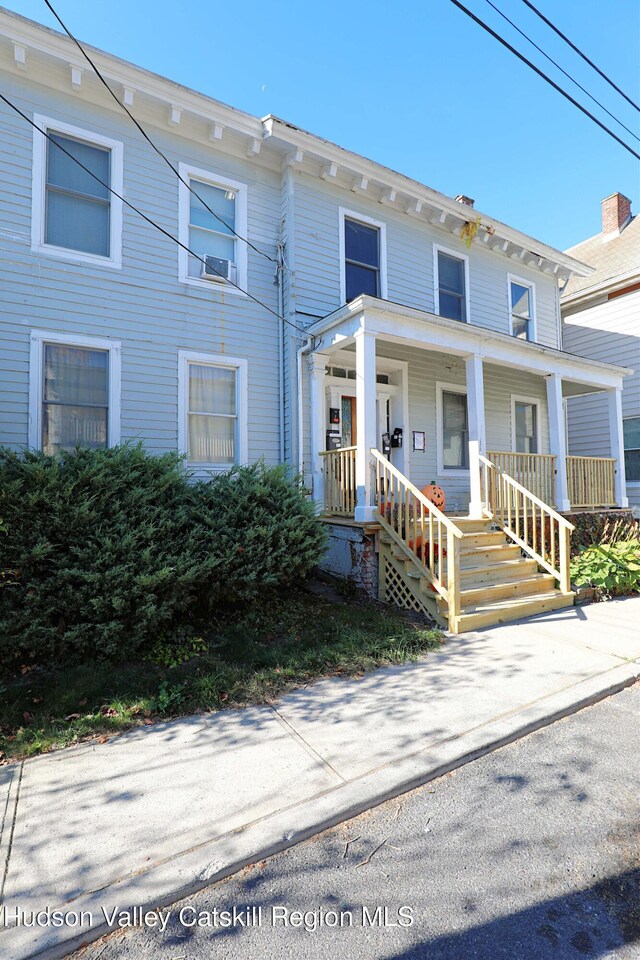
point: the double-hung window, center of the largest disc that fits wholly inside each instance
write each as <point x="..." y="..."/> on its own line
<point x="631" y="434"/>
<point x="451" y="285"/>
<point x="74" y="393"/>
<point x="453" y="429"/>
<point x="525" y="425"/>
<point x="75" y="213"/>
<point x="212" y="218"/>
<point x="213" y="428"/>
<point x="363" y="261"/>
<point x="521" y="306"/>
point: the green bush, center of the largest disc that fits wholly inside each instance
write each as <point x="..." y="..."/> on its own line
<point x="591" y="529"/>
<point x="111" y="551"/>
<point x="613" y="569"/>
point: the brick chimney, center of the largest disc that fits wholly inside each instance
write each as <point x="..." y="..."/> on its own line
<point x="616" y="213"/>
<point x="461" y="198"/>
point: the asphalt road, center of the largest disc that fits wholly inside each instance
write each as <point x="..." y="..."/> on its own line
<point x="530" y="853"/>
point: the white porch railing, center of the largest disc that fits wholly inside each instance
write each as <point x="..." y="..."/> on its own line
<point x="535" y="471"/>
<point x="423" y="533"/>
<point x="542" y="533"/>
<point x="339" y="475"/>
<point x="591" y="481"/>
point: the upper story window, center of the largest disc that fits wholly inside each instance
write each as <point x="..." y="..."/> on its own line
<point x="213" y="409"/>
<point x="631" y="434"/>
<point x="525" y="419"/>
<point x="209" y="219"/>
<point x="452" y="285"/>
<point x="75" y="385"/>
<point x="363" y="268"/>
<point x="521" y="307"/>
<point x="75" y="214"/>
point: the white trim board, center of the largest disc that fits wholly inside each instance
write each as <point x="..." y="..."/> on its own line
<point x="39" y="178"/>
<point x="456" y="255"/>
<point x="188" y="171"/>
<point x="37" y="340"/>
<point x="343" y="214"/>
<point x="241" y="366"/>
<point x="534" y="401"/>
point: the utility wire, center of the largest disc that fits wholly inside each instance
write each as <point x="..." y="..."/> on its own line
<point x="144" y="216"/>
<point x="581" y="54"/>
<point x="540" y="73"/>
<point x="561" y="69"/>
<point x="151" y="143"/>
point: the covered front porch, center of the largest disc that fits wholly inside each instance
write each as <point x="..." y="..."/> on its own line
<point x="435" y="397"/>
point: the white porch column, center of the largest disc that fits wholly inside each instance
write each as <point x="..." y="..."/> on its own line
<point x="477" y="435"/>
<point x="317" y="368"/>
<point x="366" y="422"/>
<point x="558" y="440"/>
<point x="614" y="396"/>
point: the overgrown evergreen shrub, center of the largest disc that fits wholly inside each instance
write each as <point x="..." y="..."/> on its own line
<point x="107" y="551"/>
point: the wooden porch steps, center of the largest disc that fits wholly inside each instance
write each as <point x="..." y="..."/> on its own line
<point x="497" y="582"/>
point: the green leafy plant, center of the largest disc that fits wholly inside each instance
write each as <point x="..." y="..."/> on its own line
<point x="169" y="697"/>
<point x="613" y="569"/>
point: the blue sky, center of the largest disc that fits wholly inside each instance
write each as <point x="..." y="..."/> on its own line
<point x="415" y="85"/>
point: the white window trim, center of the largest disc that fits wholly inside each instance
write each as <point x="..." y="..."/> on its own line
<point x="441" y="469"/>
<point x="629" y="483"/>
<point x="39" y="179"/>
<point x="240" y="189"/>
<point x="240" y="365"/>
<point x="345" y="214"/>
<point x="534" y="401"/>
<point x="512" y="278"/>
<point x="438" y="248"/>
<point x="38" y="340"/>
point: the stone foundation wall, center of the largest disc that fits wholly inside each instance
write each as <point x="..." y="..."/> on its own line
<point x="352" y="555"/>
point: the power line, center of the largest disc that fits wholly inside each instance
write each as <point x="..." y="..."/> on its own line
<point x="151" y="143"/>
<point x="581" y="54"/>
<point x="144" y="216"/>
<point x="540" y="73"/>
<point x="562" y="70"/>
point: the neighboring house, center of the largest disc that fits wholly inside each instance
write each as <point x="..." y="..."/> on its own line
<point x="601" y="315"/>
<point x="374" y="315"/>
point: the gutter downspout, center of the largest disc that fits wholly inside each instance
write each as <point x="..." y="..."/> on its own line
<point x="279" y="281"/>
<point x="301" y="350"/>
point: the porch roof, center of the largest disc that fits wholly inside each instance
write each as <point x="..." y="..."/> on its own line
<point x="420" y="329"/>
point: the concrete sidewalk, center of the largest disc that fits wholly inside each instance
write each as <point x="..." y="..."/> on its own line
<point x="159" y="812"/>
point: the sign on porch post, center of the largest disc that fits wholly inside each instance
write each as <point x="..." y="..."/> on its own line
<point x="366" y="422"/>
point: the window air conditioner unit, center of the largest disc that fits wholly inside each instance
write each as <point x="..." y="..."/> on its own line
<point x="216" y="269"/>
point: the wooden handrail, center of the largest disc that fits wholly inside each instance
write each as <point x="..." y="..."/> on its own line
<point x="534" y="525"/>
<point x="535" y="471"/>
<point x="423" y="534"/>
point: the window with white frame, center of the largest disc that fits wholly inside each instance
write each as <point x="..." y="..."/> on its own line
<point x="363" y="256"/>
<point x="453" y="429"/>
<point x="75" y="384"/>
<point x="451" y="285"/>
<point x="525" y="425"/>
<point x="521" y="306"/>
<point x="75" y="214"/>
<point x="631" y="435"/>
<point x="213" y="415"/>
<point x="213" y="217"/>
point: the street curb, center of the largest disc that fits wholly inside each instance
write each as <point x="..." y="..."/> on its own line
<point x="185" y="874"/>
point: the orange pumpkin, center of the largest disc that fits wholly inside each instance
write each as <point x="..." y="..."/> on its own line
<point x="435" y="494"/>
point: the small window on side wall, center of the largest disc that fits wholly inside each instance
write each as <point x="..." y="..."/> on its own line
<point x="75" y="213"/>
<point x="521" y="300"/>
